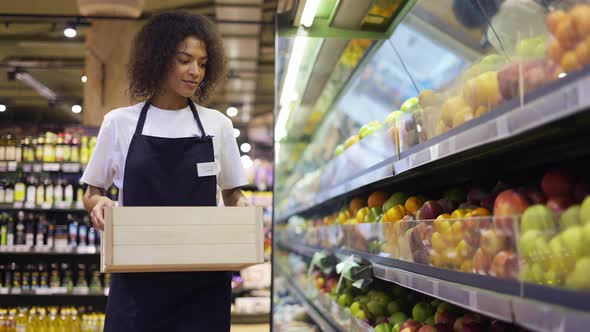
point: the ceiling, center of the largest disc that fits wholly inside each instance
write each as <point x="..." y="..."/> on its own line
<point x="31" y="38"/>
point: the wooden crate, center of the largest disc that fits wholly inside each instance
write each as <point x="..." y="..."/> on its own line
<point x="158" y="239"/>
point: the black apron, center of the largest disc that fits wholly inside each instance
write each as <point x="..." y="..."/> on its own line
<point x="163" y="172"/>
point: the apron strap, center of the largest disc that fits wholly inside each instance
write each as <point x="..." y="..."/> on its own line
<point x="196" y="116"/>
<point x="146" y="106"/>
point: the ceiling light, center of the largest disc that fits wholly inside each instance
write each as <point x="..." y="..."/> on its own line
<point x="236" y="132"/>
<point x="247" y="162"/>
<point x="76" y="109"/>
<point x="36" y="85"/>
<point x="562" y="75"/>
<point x="245" y="147"/>
<point x="309" y="11"/>
<point x="70" y="32"/>
<point x="84" y="79"/>
<point x="231" y="112"/>
<point x="2" y="108"/>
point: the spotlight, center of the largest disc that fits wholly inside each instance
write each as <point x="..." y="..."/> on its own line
<point x="76" y="109"/>
<point x="70" y="32"/>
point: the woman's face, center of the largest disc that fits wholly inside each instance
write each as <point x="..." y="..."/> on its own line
<point x="187" y="70"/>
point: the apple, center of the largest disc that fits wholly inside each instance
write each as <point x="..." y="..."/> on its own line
<point x="376" y="308"/>
<point x="369" y="128"/>
<point x="393" y="307"/>
<point x="475" y="195"/>
<point x="505" y="265"/>
<point x="446" y="205"/>
<point x="409" y="103"/>
<point x="355" y="307"/>
<point x="488" y="202"/>
<point x="345" y="300"/>
<point x="492" y="241"/>
<point x="585" y="211"/>
<point x="411" y="326"/>
<point x="444" y="317"/>
<point x="581" y="190"/>
<point x="422" y="311"/>
<point x="361" y="314"/>
<point x="481" y="262"/>
<point x="444" y="327"/>
<point x="356" y="204"/>
<point x="455" y="195"/>
<point x="395" y="199"/>
<point x="413" y="204"/>
<point x="534" y="195"/>
<point x="508" y="204"/>
<point x="377" y="199"/>
<point x="527" y="243"/>
<point x="571" y="217"/>
<point x="320" y="282"/>
<point x="559" y="204"/>
<point x="398" y="317"/>
<point x="383" y="327"/>
<point x="573" y="241"/>
<point x="578" y="279"/>
<point x="473" y="327"/>
<point x="430" y="210"/>
<point x="538" y="217"/>
<point x="556" y="183"/>
<point x="428" y="328"/>
<point x="394" y="214"/>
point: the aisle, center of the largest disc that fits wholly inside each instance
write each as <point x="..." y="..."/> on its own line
<point x="250" y="328"/>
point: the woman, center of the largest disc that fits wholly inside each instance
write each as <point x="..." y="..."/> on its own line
<point x="167" y="151"/>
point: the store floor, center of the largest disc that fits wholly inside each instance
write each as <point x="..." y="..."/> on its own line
<point x="250" y="327"/>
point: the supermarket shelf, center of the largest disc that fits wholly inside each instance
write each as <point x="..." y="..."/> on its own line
<point x="542" y="308"/>
<point x="506" y="124"/>
<point x="54" y="299"/>
<point x="25" y="207"/>
<point x="38" y="167"/>
<point x="25" y="251"/>
<point x="321" y="318"/>
<point x="250" y="318"/>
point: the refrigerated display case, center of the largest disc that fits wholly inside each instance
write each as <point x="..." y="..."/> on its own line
<point x="450" y="155"/>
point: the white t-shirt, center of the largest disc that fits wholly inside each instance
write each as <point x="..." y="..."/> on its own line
<point x="107" y="163"/>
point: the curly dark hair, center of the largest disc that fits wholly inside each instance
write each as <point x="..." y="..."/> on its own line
<point x="155" y="46"/>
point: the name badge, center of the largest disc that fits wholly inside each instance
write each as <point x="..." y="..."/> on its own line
<point x="206" y="169"/>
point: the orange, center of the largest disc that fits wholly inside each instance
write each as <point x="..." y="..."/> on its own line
<point x="570" y="62"/>
<point x="413" y="204"/>
<point x="555" y="51"/>
<point x="394" y="214"/>
<point x="554" y="18"/>
<point x="583" y="53"/>
<point x="480" y="212"/>
<point x="580" y="15"/>
<point x="377" y="199"/>
<point x="566" y="34"/>
<point x="356" y="204"/>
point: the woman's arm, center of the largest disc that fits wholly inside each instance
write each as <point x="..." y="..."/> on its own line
<point x="234" y="197"/>
<point x="95" y="201"/>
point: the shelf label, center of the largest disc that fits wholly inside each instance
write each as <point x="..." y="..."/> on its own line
<point x="424" y="285"/>
<point x="12" y="166"/>
<point x="454" y="294"/>
<point x="50" y="167"/>
<point x="70" y="168"/>
<point x="3" y="166"/>
<point x="29" y="205"/>
<point x="18" y="205"/>
<point x="37" y="168"/>
<point x="46" y="205"/>
<point x="27" y="168"/>
<point x="4" y="290"/>
<point x="81" y="291"/>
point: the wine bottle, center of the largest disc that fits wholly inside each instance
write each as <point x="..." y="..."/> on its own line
<point x="39" y="149"/>
<point x="10" y="149"/>
<point x="31" y="189"/>
<point x="9" y="192"/>
<point x="20" y="188"/>
<point x="40" y="192"/>
<point x="19" y="235"/>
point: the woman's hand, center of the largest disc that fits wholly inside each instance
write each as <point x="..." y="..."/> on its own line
<point x="97" y="213"/>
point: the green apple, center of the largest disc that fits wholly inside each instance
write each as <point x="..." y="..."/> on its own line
<point x="572" y="239"/>
<point x="538" y="217"/>
<point x="398" y="318"/>
<point x="355" y="307"/>
<point x="373" y="214"/>
<point x="383" y="327"/>
<point x="429" y="321"/>
<point x="345" y="300"/>
<point x="570" y="217"/>
<point x="586" y="234"/>
<point x="578" y="279"/>
<point x="393" y="307"/>
<point x="369" y="128"/>
<point x="559" y="257"/>
<point x="422" y="311"/>
<point x="382" y="298"/>
<point x="339" y="149"/>
<point x="361" y="315"/>
<point x="585" y="211"/>
<point x="364" y="299"/>
<point x="392" y="117"/>
<point x="408" y="104"/>
<point x="527" y="243"/>
<point x="398" y="198"/>
<point x="376" y="308"/>
<point x="396" y="327"/>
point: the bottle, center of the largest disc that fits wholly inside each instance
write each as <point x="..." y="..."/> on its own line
<point x="59" y="148"/>
<point x="2" y="148"/>
<point x="35" y="278"/>
<point x="3" y="191"/>
<point x="82" y="280"/>
<point x="3" y="283"/>
<point x="75" y="322"/>
<point x="75" y="149"/>
<point x="19" y="150"/>
<point x="40" y="198"/>
<point x="39" y="149"/>
<point x="61" y="237"/>
<point x="9" y="192"/>
<point x="29" y="149"/>
<point x="95" y="286"/>
<point x="30" y="230"/>
<point x="49" y="191"/>
<point x="58" y="191"/>
<point x="10" y="149"/>
<point x="49" y="148"/>
<point x="8" y="276"/>
<point x="19" y="236"/>
<point x="51" y="235"/>
<point x="84" y="151"/>
<point x="42" y="320"/>
<point x="10" y="229"/>
<point x="31" y="189"/>
<point x="72" y="231"/>
<point x="67" y="148"/>
<point x="68" y="192"/>
<point x="41" y="231"/>
<point x="16" y="278"/>
<point x="20" y="188"/>
<point x="26" y="281"/>
<point x="4" y="229"/>
<point x="68" y="282"/>
<point x="3" y="319"/>
<point x="21" y="320"/>
<point x="92" y="237"/>
<point x="11" y="324"/>
<point x="43" y="276"/>
<point x="82" y="235"/>
<point x="54" y="281"/>
<point x="80" y="193"/>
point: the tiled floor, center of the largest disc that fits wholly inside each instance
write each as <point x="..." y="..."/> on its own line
<point x="250" y="328"/>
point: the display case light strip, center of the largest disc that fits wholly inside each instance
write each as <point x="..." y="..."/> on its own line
<point x="309" y="12"/>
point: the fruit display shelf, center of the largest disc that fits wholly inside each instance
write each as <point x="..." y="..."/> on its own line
<point x="535" y="307"/>
<point x="548" y="120"/>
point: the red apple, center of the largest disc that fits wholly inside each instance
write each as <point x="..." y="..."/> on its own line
<point x="581" y="190"/>
<point x="505" y="265"/>
<point x="430" y="210"/>
<point x="320" y="282"/>
<point x="475" y="195"/>
<point x="443" y="327"/>
<point x="508" y="204"/>
<point x="473" y="327"/>
<point x="411" y="326"/>
<point x="534" y="195"/>
<point x="559" y="204"/>
<point x="556" y="183"/>
<point x="428" y="328"/>
<point x="447" y="206"/>
<point x="492" y="241"/>
<point x="481" y="262"/>
<point x="331" y="283"/>
<point x="444" y="317"/>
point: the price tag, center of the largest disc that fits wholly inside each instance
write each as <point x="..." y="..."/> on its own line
<point x="81" y="291"/>
<point x="50" y="167"/>
<point x="46" y="205"/>
<point x="4" y="290"/>
<point x="43" y="291"/>
<point x="37" y="168"/>
<point x="18" y="205"/>
<point x="3" y="166"/>
<point x="29" y="205"/>
<point x="12" y="166"/>
<point x="27" y="168"/>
